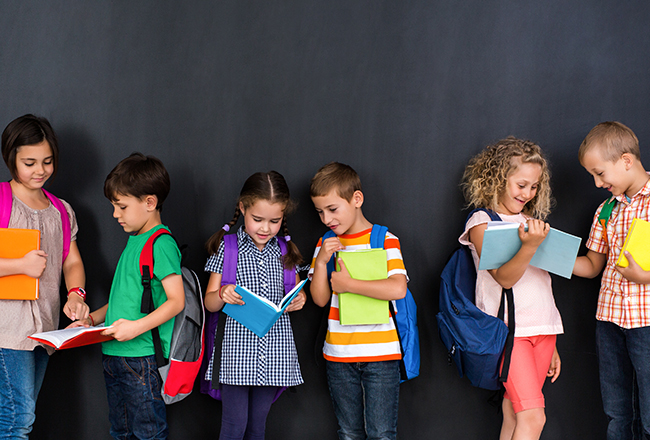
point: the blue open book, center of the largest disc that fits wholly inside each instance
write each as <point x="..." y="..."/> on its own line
<point x="557" y="253"/>
<point x="259" y="314"/>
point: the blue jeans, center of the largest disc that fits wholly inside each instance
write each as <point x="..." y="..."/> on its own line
<point x="365" y="396"/>
<point x="135" y="406"/>
<point x="624" y="368"/>
<point x="21" y="377"/>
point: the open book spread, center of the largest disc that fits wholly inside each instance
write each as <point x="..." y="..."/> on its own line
<point x="15" y="243"/>
<point x="72" y="337"/>
<point x="557" y="253"/>
<point x="363" y="264"/>
<point x="636" y="243"/>
<point x="259" y="314"/>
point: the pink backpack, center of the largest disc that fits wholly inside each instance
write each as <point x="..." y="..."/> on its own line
<point x="5" y="214"/>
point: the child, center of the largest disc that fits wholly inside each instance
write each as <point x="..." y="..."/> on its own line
<point x="362" y="361"/>
<point x="511" y="178"/>
<point x="30" y="150"/>
<point x="610" y="153"/>
<point x="253" y="369"/>
<point x="137" y="188"/>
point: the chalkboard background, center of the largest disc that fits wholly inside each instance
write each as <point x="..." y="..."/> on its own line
<point x="405" y="92"/>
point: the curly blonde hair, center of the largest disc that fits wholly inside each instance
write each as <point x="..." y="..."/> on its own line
<point x="485" y="177"/>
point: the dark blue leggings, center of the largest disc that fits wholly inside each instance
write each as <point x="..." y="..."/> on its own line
<point x="244" y="411"/>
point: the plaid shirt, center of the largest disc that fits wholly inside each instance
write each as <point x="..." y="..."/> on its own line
<point x="621" y="302"/>
<point x="245" y="358"/>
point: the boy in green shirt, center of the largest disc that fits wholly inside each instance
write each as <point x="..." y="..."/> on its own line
<point x="137" y="188"/>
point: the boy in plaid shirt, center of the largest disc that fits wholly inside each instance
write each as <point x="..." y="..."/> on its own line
<point x="610" y="153"/>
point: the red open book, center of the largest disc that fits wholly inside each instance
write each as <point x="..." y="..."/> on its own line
<point x="72" y="337"/>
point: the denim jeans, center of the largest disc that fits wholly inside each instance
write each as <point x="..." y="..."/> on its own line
<point x="624" y="368"/>
<point x="21" y="377"/>
<point x="365" y="396"/>
<point x="135" y="406"/>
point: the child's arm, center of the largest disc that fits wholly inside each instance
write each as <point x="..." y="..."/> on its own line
<point x="32" y="264"/>
<point x="75" y="276"/>
<point x="393" y="287"/>
<point x="555" y="367"/>
<point x="94" y="318"/>
<point x="508" y="274"/>
<point x="213" y="302"/>
<point x="633" y="272"/>
<point x="590" y="265"/>
<point x="299" y="301"/>
<point x="320" y="285"/>
<point x="124" y="330"/>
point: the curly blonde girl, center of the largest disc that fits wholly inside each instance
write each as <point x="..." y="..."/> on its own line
<point x="485" y="177"/>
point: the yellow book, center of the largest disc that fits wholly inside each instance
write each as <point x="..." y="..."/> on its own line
<point x="15" y="243"/>
<point x="363" y="264"/>
<point x="637" y="243"/>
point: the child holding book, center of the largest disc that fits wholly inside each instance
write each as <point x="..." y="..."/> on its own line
<point x="252" y="369"/>
<point x="610" y="153"/>
<point x="137" y="188"/>
<point x="30" y="151"/>
<point x="362" y="361"/>
<point x="511" y="178"/>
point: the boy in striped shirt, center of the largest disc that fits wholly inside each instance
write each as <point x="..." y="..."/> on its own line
<point x="610" y="153"/>
<point x="362" y="361"/>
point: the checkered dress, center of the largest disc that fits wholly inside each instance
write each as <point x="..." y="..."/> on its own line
<point x="245" y="358"/>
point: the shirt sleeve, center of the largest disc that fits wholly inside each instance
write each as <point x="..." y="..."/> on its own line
<point x="597" y="241"/>
<point x="215" y="261"/>
<point x="167" y="257"/>
<point x="313" y="259"/>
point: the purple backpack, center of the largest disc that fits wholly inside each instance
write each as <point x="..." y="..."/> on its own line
<point x="229" y="276"/>
<point x="5" y="214"/>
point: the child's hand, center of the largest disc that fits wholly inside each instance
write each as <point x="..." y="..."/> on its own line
<point x="555" y="367"/>
<point x="298" y="302"/>
<point x="123" y="330"/>
<point x="327" y="249"/>
<point x="229" y="296"/>
<point x="537" y="232"/>
<point x="80" y="323"/>
<point x="76" y="308"/>
<point x="340" y="279"/>
<point x="34" y="263"/>
<point x="633" y="272"/>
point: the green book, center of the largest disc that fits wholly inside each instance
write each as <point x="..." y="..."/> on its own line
<point x="363" y="264"/>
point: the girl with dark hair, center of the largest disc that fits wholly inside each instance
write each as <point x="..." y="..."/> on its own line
<point x="253" y="370"/>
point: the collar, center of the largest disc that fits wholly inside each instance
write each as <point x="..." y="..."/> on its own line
<point x="644" y="191"/>
<point x="247" y="242"/>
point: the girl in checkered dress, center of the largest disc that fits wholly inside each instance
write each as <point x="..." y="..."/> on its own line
<point x="253" y="371"/>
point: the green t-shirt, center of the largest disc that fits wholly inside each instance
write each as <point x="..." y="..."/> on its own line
<point x="126" y="293"/>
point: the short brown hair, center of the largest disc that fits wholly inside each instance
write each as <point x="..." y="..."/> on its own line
<point x="337" y="176"/>
<point x="613" y="140"/>
<point x="27" y="130"/>
<point x="138" y="176"/>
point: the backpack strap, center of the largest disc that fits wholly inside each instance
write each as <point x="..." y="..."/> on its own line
<point x="606" y="213"/>
<point x="147" y="306"/>
<point x="65" y="222"/>
<point x="5" y="214"/>
<point x="231" y="252"/>
<point x="5" y="204"/>
<point x="289" y="274"/>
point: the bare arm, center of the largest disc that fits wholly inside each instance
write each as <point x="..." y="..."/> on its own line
<point x="75" y="276"/>
<point x="508" y="274"/>
<point x="590" y="265"/>
<point x="320" y="284"/>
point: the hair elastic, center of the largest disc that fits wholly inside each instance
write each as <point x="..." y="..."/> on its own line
<point x="226" y="227"/>
<point x="287" y="238"/>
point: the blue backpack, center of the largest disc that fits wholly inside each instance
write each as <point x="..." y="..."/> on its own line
<point x="405" y="319"/>
<point x="475" y="340"/>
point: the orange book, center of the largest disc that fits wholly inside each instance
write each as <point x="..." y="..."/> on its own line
<point x="15" y="243"/>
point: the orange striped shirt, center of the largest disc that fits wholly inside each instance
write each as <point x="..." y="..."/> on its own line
<point x="362" y="343"/>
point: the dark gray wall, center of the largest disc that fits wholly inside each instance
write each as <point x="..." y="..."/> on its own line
<point x="406" y="92"/>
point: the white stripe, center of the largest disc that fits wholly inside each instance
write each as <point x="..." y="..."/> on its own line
<point x="361" y="350"/>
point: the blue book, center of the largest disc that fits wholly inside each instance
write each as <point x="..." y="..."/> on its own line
<point x="557" y="253"/>
<point x="259" y="314"/>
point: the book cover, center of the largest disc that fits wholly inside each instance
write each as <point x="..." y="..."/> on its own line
<point x="15" y="243"/>
<point x="354" y="309"/>
<point x="259" y="314"/>
<point x="72" y="337"/>
<point x="637" y="243"/>
<point x="557" y="253"/>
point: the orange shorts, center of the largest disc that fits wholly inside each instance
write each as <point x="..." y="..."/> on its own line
<point x="531" y="358"/>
